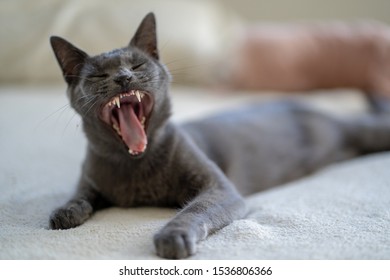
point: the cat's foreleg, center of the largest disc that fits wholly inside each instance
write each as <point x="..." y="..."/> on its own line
<point x="210" y="211"/>
<point x="77" y="210"/>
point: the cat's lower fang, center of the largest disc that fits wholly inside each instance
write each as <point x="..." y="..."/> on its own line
<point x="116" y="128"/>
<point x="133" y="153"/>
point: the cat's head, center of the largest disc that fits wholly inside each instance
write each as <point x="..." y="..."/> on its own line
<point x="121" y="95"/>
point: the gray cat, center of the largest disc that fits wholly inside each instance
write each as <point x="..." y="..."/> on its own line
<point x="137" y="157"/>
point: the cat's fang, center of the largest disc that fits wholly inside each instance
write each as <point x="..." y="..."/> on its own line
<point x="116" y="128"/>
<point x="138" y="95"/>
<point x="117" y="101"/>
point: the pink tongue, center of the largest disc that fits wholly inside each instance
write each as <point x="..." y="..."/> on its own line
<point x="131" y="129"/>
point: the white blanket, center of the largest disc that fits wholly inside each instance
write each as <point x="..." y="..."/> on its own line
<point x="341" y="212"/>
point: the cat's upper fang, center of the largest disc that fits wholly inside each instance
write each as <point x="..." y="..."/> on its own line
<point x="115" y="101"/>
<point x="138" y="95"/>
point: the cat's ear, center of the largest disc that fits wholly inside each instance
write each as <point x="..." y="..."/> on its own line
<point x="70" y="58"/>
<point x="145" y="38"/>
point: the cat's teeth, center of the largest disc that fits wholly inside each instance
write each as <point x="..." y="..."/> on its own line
<point x="117" y="101"/>
<point x="115" y="126"/>
<point x="131" y="152"/>
<point x="143" y="122"/>
<point x="138" y="95"/>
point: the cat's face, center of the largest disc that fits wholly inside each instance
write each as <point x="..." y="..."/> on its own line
<point x="121" y="95"/>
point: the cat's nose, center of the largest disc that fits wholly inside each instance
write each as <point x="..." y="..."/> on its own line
<point x="123" y="78"/>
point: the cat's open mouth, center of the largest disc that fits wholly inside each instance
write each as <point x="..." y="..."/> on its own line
<point x="128" y="114"/>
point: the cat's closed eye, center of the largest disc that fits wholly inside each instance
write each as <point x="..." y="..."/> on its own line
<point x="98" y="76"/>
<point x="138" y="65"/>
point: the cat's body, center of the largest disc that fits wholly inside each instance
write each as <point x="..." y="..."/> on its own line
<point x="137" y="157"/>
<point x="264" y="145"/>
<point x="260" y="146"/>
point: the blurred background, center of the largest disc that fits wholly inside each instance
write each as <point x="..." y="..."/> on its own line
<point x="194" y="35"/>
<point x="42" y="143"/>
<point x="282" y="10"/>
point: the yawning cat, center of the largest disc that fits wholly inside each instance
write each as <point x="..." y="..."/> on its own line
<point x="137" y="157"/>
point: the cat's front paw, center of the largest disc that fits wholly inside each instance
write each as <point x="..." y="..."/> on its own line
<point x="70" y="216"/>
<point x="175" y="243"/>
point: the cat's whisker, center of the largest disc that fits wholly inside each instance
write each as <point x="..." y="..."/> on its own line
<point x="83" y="77"/>
<point x="90" y="108"/>
<point x="148" y="79"/>
<point x="59" y="110"/>
<point x="88" y="101"/>
<point x="68" y="123"/>
<point x="178" y="59"/>
<point x="83" y="97"/>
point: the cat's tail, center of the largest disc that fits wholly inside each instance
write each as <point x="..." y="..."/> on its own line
<point x="378" y="104"/>
<point x="370" y="133"/>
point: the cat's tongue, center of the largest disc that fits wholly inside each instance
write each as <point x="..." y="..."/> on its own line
<point x="133" y="133"/>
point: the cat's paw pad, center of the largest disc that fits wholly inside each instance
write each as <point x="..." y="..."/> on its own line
<point x="175" y="243"/>
<point x="70" y="216"/>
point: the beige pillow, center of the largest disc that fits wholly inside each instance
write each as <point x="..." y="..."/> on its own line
<point x="192" y="34"/>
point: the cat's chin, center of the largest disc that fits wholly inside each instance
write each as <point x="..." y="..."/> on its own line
<point x="128" y="115"/>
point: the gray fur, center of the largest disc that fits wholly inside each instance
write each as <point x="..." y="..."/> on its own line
<point x="196" y="166"/>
